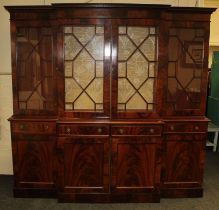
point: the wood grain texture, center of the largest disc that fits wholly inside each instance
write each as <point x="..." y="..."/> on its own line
<point x="86" y="129"/>
<point x="134" y="163"/>
<point x="35" y="163"/>
<point x="86" y="160"/>
<point x="137" y="130"/>
<point x="46" y="128"/>
<point x="184" y="161"/>
<point x="85" y="166"/>
<point x="195" y="127"/>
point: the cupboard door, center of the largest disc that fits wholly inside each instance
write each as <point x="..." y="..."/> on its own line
<point x="35" y="83"/>
<point x="184" y="160"/>
<point x="33" y="162"/>
<point x="85" y="164"/>
<point x="135" y="164"/>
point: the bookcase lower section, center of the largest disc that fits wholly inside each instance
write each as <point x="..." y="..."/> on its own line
<point x="108" y="161"/>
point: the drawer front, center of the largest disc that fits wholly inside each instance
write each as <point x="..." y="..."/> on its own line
<point x="137" y="130"/>
<point x="185" y="127"/>
<point x="69" y="129"/>
<point x="34" y="127"/>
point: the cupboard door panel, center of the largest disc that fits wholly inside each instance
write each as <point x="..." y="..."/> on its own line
<point x="184" y="162"/>
<point x="134" y="164"/>
<point x="35" y="163"/>
<point x="86" y="165"/>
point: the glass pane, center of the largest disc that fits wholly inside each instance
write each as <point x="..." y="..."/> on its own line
<point x="72" y="90"/>
<point x="122" y="30"/>
<point x="122" y="69"/>
<point x="185" y="65"/>
<point x="99" y="69"/>
<point x="147" y="90"/>
<point x="148" y="48"/>
<point x="84" y="54"/>
<point x="136" y="102"/>
<point x="138" y="34"/>
<point x="126" y="48"/>
<point x="136" y="68"/>
<point x="84" y="103"/>
<point x="84" y="34"/>
<point x="94" y="90"/>
<point x="99" y="30"/>
<point x="125" y="90"/>
<point x="84" y="69"/>
<point x="35" y="69"/>
<point x="72" y="47"/>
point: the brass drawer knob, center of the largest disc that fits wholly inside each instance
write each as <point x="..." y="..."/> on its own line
<point x="21" y="127"/>
<point x="99" y="130"/>
<point x="121" y="131"/>
<point x="46" y="127"/>
<point x="196" y="127"/>
<point x="68" y="130"/>
<point x="172" y="128"/>
<point x="151" y="130"/>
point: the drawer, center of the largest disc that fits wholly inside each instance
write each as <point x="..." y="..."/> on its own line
<point x="69" y="129"/>
<point x="137" y="130"/>
<point x="185" y="127"/>
<point x="34" y="127"/>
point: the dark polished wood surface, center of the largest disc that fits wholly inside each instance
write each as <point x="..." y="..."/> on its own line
<point x="109" y="155"/>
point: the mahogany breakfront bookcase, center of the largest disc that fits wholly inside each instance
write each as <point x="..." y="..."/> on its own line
<point x="109" y="101"/>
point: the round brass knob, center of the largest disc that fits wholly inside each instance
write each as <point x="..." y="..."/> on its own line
<point x="46" y="127"/>
<point x="21" y="127"/>
<point x="121" y="131"/>
<point x="196" y="127"/>
<point x="172" y="128"/>
<point x="99" y="130"/>
<point x="151" y="130"/>
<point x="68" y="130"/>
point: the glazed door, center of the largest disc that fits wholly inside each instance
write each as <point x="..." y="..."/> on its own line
<point x="135" y="69"/>
<point x="85" y="60"/>
<point x="187" y="70"/>
<point x="33" y="73"/>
